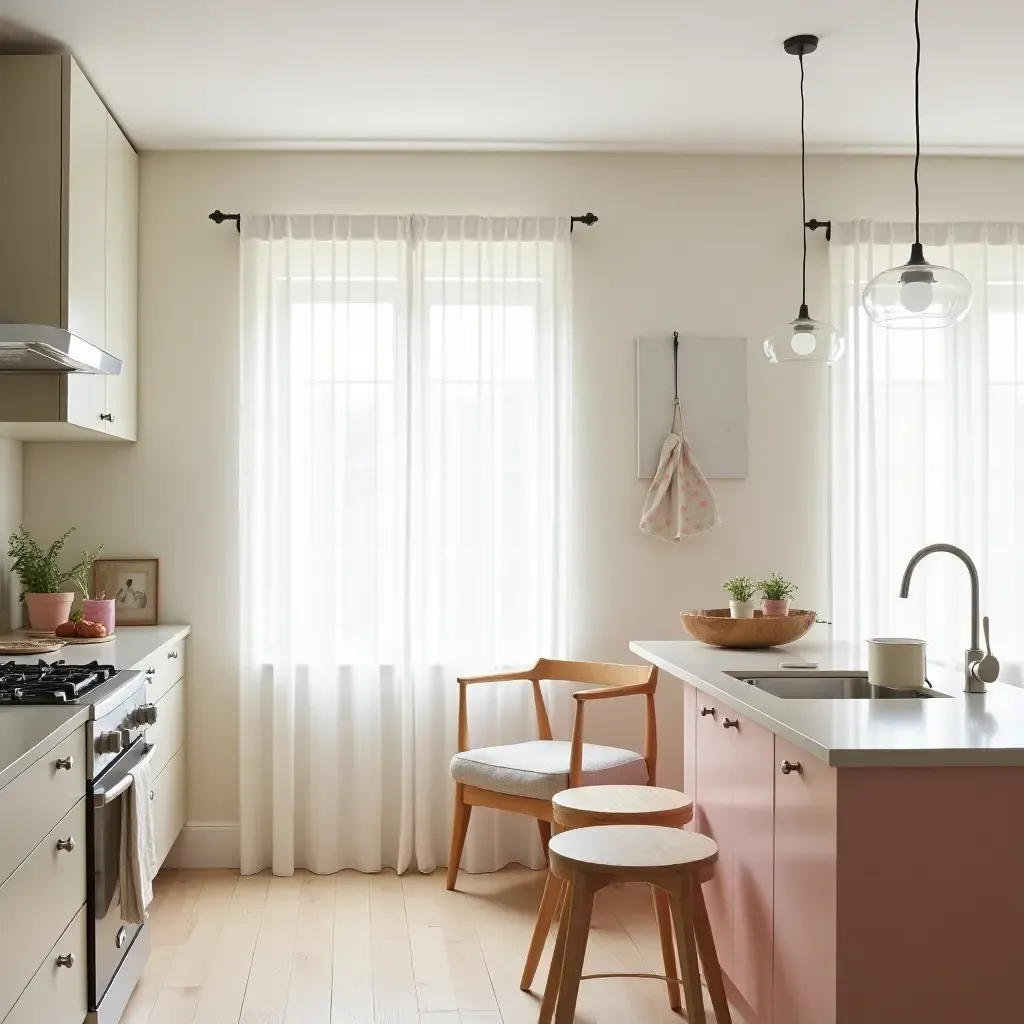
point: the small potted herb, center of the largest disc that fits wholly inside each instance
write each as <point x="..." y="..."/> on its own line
<point x="43" y="581"/>
<point x="741" y="591"/>
<point x="776" y="592"/>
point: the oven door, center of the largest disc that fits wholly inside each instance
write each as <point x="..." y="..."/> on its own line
<point x="112" y="937"/>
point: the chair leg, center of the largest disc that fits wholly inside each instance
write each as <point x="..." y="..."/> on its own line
<point x="709" y="956"/>
<point x="549" y="902"/>
<point x="681" y="895"/>
<point x="544" y="828"/>
<point x="460" y="825"/>
<point x="581" y="906"/>
<point x="663" y="913"/>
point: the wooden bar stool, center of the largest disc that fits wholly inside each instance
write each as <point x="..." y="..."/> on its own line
<point x="585" y="806"/>
<point x="588" y="859"/>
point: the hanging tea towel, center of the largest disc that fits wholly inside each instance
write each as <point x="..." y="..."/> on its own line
<point x="679" y="503"/>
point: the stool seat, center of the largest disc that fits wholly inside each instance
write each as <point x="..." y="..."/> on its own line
<point x="625" y="850"/>
<point x="621" y="805"/>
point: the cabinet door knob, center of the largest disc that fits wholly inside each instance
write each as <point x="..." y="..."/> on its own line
<point x="121" y="937"/>
<point x="108" y="416"/>
<point x="67" y="763"/>
<point x="172" y="654"/>
<point x="152" y="795"/>
<point x="791" y="766"/>
<point x="730" y="723"/>
<point x="66" y="844"/>
<point x="68" y="960"/>
<point x="706" y="711"/>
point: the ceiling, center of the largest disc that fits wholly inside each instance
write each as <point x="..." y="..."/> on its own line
<point x="677" y="75"/>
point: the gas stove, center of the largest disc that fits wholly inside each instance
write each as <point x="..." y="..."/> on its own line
<point x="53" y="683"/>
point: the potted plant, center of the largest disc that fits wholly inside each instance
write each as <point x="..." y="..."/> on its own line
<point x="43" y="580"/>
<point x="776" y="592"/>
<point x="741" y="596"/>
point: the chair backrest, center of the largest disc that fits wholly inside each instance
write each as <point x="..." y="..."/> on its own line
<point x="599" y="674"/>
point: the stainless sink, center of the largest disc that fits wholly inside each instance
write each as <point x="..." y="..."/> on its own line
<point x="827" y="686"/>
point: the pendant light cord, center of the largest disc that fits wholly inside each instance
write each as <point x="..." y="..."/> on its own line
<point x="803" y="187"/>
<point x="917" y="123"/>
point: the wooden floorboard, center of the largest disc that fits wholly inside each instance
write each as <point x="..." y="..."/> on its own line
<point x="380" y="949"/>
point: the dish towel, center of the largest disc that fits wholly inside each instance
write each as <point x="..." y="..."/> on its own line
<point x="138" y="847"/>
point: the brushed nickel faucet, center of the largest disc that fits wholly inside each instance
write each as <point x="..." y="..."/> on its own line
<point x="980" y="667"/>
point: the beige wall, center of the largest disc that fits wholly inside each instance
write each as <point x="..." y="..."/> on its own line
<point x="703" y="245"/>
<point x="10" y="518"/>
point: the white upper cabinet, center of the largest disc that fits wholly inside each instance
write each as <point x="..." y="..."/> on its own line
<point x="68" y="254"/>
<point x="122" y="292"/>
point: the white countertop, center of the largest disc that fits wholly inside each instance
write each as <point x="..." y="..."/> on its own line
<point x="962" y="729"/>
<point x="28" y="731"/>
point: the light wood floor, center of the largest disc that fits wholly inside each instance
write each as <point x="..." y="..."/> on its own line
<point x="378" y="949"/>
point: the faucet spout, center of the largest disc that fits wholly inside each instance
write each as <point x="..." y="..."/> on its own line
<point x="951" y="549"/>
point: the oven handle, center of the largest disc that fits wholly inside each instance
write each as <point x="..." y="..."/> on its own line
<point x="106" y="795"/>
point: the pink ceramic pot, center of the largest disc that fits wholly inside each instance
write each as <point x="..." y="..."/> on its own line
<point x="777" y="608"/>
<point x="47" y="611"/>
<point x="99" y="611"/>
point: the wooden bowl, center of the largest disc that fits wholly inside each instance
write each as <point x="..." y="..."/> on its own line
<point x="716" y="627"/>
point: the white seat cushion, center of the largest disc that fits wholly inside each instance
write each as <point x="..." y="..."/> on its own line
<point x="540" y="768"/>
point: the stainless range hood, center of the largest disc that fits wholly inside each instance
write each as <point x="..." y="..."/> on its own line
<point x="36" y="347"/>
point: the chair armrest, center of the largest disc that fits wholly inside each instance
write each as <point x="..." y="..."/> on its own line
<point x="615" y="691"/>
<point x="498" y="677"/>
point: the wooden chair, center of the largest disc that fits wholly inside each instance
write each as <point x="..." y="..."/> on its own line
<point x="523" y="777"/>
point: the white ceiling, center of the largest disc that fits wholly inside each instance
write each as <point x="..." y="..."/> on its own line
<point x="687" y="75"/>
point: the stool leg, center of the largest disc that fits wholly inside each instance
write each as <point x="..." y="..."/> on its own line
<point x="709" y="956"/>
<point x="663" y="913"/>
<point x="547" y="1006"/>
<point x="549" y="904"/>
<point x="681" y="895"/>
<point x="581" y="906"/>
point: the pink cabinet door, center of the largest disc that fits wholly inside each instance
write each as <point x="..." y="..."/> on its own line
<point x="753" y="843"/>
<point x="804" y="990"/>
<point x="714" y="769"/>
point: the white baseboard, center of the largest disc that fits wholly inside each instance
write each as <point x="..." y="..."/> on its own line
<point x="206" y="844"/>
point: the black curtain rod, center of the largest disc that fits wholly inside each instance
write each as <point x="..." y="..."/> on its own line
<point x="218" y="217"/>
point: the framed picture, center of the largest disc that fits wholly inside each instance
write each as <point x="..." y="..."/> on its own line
<point x="132" y="584"/>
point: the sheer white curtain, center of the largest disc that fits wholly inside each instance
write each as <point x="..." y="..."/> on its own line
<point x="928" y="445"/>
<point x="404" y="394"/>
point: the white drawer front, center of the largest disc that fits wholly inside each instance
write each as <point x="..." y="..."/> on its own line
<point x="168" y="795"/>
<point x="168" y="733"/>
<point x="37" y="902"/>
<point x="38" y="797"/>
<point x="59" y="993"/>
<point x="163" y="668"/>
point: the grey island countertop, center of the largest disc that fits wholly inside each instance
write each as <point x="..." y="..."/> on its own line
<point x="961" y="729"/>
<point x="28" y="731"/>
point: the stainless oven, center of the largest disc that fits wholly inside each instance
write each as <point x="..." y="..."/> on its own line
<point x="117" y="950"/>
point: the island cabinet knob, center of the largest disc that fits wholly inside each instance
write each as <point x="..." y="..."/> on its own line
<point x="730" y="723"/>
<point x="789" y="767"/>
<point x="68" y="960"/>
<point x="706" y="711"/>
<point x="67" y="763"/>
<point x="66" y="844"/>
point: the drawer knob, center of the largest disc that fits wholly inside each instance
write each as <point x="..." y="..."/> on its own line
<point x="172" y="654"/>
<point x="66" y="844"/>
<point x="121" y="937"/>
<point x="791" y="766"/>
<point x="108" y="416"/>
<point x="150" y="672"/>
<point x="67" y="960"/>
<point x="730" y="723"/>
<point x="706" y="711"/>
<point x="152" y="795"/>
<point x="67" y="763"/>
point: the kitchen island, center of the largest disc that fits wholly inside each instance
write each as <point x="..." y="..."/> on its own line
<point x="871" y="851"/>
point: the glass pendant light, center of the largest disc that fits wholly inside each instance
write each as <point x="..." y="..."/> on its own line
<point x="803" y="341"/>
<point x="918" y="296"/>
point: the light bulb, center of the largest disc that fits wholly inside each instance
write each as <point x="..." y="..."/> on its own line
<point x="802" y="342"/>
<point x="916" y="296"/>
